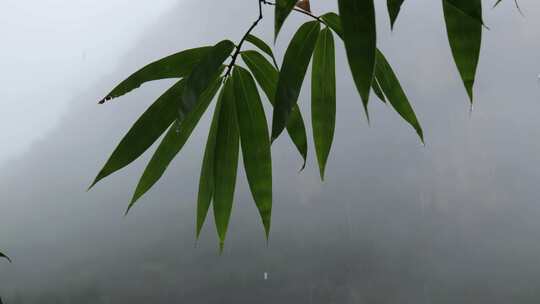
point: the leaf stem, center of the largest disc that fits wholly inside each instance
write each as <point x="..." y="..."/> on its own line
<point x="239" y="46"/>
<point x="255" y="23"/>
<point x="298" y="10"/>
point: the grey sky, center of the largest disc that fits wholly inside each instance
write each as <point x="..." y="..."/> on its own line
<point x="394" y="222"/>
<point x="51" y="49"/>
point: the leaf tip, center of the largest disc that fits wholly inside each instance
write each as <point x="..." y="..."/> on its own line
<point x="5" y="257"/>
<point x="198" y="231"/>
<point x="131" y="204"/>
<point x="221" y="247"/>
<point x="321" y="173"/>
<point x="303" y="166"/>
<point x="105" y="99"/>
<point x="96" y="180"/>
<point x="365" y="102"/>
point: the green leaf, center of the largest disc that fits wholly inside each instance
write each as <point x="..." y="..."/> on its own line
<point x="172" y="143"/>
<point x="5" y="257"/>
<point x="146" y="130"/>
<point x="334" y="22"/>
<point x="467" y="8"/>
<point x="203" y="75"/>
<point x="267" y="77"/>
<point x="282" y="11"/>
<point x="394" y="6"/>
<point x="293" y="71"/>
<point x="263" y="71"/>
<point x="323" y="97"/>
<point x="377" y="90"/>
<point x="464" y="27"/>
<point x="225" y="161"/>
<point x="394" y="93"/>
<point x="174" y="66"/>
<point x="360" y="37"/>
<point x="255" y="142"/>
<point x="262" y="46"/>
<point x="206" y="180"/>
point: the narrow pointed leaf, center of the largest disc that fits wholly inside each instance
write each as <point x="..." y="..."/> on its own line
<point x="334" y="22"/>
<point x="293" y="72"/>
<point x="262" y="46"/>
<point x="267" y="77"/>
<point x="394" y="93"/>
<point x="206" y="180"/>
<point x="174" y="66"/>
<point x="323" y="97"/>
<point x="263" y="71"/>
<point x="282" y="11"/>
<point x="146" y="130"/>
<point x="255" y="142"/>
<point x="172" y="143"/>
<point x="5" y="257"/>
<point x="394" y="6"/>
<point x="469" y="8"/>
<point x="360" y="37"/>
<point x="225" y="161"/>
<point x="464" y="28"/>
<point x="378" y="91"/>
<point x="203" y="75"/>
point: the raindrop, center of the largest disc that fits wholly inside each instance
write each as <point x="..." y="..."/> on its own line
<point x="266" y="276"/>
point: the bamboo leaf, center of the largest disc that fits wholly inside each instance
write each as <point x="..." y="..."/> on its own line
<point x="263" y="71"/>
<point x="225" y="161"/>
<point x="146" y="130"/>
<point x="255" y="142"/>
<point x="464" y="28"/>
<point x="174" y="66"/>
<point x="394" y="93"/>
<point x="468" y="8"/>
<point x="377" y="90"/>
<point x="172" y="143"/>
<point x="334" y="22"/>
<point x="394" y="6"/>
<point x="259" y="43"/>
<point x="267" y="77"/>
<point x="386" y="74"/>
<point x="360" y="37"/>
<point x="282" y="11"/>
<point x="5" y="257"/>
<point x="293" y="71"/>
<point x="203" y="75"/>
<point x="323" y="97"/>
<point x="206" y="180"/>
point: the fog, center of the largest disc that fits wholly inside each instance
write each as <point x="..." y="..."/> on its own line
<point x="454" y="221"/>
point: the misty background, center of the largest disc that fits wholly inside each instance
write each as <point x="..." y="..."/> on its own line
<point x="394" y="221"/>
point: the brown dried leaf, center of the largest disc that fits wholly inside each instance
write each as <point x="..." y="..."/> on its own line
<point x="304" y="5"/>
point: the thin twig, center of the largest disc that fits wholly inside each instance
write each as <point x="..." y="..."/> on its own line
<point x="239" y="46"/>
<point x="318" y="18"/>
